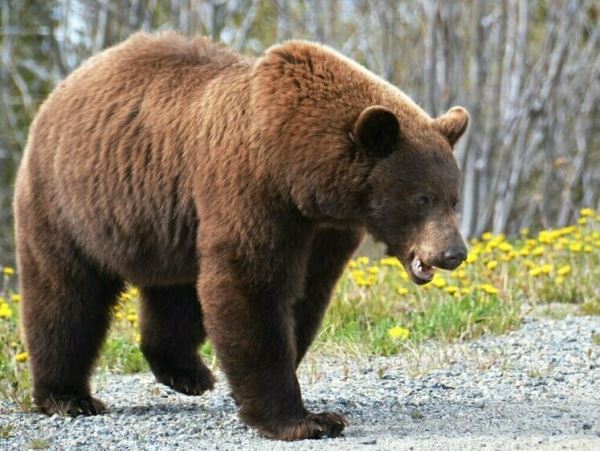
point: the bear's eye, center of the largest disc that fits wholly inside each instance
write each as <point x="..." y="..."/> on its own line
<point x="424" y="201"/>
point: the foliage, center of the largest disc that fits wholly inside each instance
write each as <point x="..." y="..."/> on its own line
<point x="527" y="71"/>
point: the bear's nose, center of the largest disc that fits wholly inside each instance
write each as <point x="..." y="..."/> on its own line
<point x="453" y="257"/>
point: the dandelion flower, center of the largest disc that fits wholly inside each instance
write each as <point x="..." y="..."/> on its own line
<point x="472" y="257"/>
<point x="21" y="357"/>
<point x="402" y="291"/>
<point x="546" y="268"/>
<point x="586" y="212"/>
<point x="575" y="247"/>
<point x="5" y="311"/>
<point x="564" y="270"/>
<point x="8" y="271"/>
<point x="16" y="298"/>
<point x="538" y="251"/>
<point x="492" y="264"/>
<point x="489" y="289"/>
<point x="400" y="333"/>
<point x="534" y="272"/>
<point x="438" y="282"/>
<point x="452" y="289"/>
<point x="390" y="261"/>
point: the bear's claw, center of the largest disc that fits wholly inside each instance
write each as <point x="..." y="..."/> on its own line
<point x="313" y="426"/>
<point x="71" y="405"/>
<point x="191" y="382"/>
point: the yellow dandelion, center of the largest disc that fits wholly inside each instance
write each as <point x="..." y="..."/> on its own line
<point x="587" y="248"/>
<point x="132" y="318"/>
<point x="390" y="261"/>
<point x="460" y="274"/>
<point x="5" y="311"/>
<point x="16" y="298"/>
<point x="21" y="357"/>
<point x="538" y="251"/>
<point x="487" y="236"/>
<point x="352" y="264"/>
<point x="400" y="333"/>
<point x="547" y="268"/>
<point x="489" y="289"/>
<point x="8" y="271"/>
<point x="508" y="257"/>
<point x="364" y="281"/>
<point x="492" y="264"/>
<point x="564" y="270"/>
<point x="438" y="282"/>
<point x="582" y="221"/>
<point x="586" y="212"/>
<point x="362" y="260"/>
<point x="505" y="247"/>
<point x="559" y="280"/>
<point x="472" y="257"/>
<point x="373" y="270"/>
<point x="575" y="247"/>
<point x="138" y="338"/>
<point x="452" y="289"/>
<point x="402" y="291"/>
<point x="534" y="272"/>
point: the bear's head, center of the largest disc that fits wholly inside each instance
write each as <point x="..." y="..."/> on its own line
<point x="413" y="188"/>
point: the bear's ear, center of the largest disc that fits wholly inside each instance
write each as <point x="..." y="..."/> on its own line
<point x="453" y="123"/>
<point x="376" y="130"/>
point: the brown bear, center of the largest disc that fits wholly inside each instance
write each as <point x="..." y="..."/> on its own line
<point x="231" y="191"/>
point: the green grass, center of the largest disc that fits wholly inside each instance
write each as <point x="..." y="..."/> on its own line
<point x="364" y="325"/>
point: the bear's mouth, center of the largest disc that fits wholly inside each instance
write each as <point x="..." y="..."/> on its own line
<point x="420" y="272"/>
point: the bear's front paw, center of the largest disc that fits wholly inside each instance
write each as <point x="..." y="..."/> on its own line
<point x="312" y="426"/>
<point x="189" y="381"/>
<point x="70" y="405"/>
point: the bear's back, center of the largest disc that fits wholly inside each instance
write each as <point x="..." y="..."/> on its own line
<point x="110" y="148"/>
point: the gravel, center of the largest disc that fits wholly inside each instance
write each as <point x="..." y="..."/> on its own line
<point x="535" y="388"/>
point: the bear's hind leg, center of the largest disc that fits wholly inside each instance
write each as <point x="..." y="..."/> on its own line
<point x="66" y="313"/>
<point x="172" y="330"/>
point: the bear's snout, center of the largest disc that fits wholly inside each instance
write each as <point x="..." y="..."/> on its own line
<point x="453" y="256"/>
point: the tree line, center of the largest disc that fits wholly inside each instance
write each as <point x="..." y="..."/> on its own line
<point x="527" y="70"/>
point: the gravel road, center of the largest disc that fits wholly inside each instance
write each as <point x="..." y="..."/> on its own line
<point x="534" y="388"/>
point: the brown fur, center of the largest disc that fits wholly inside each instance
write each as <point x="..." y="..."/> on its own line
<point x="193" y="172"/>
